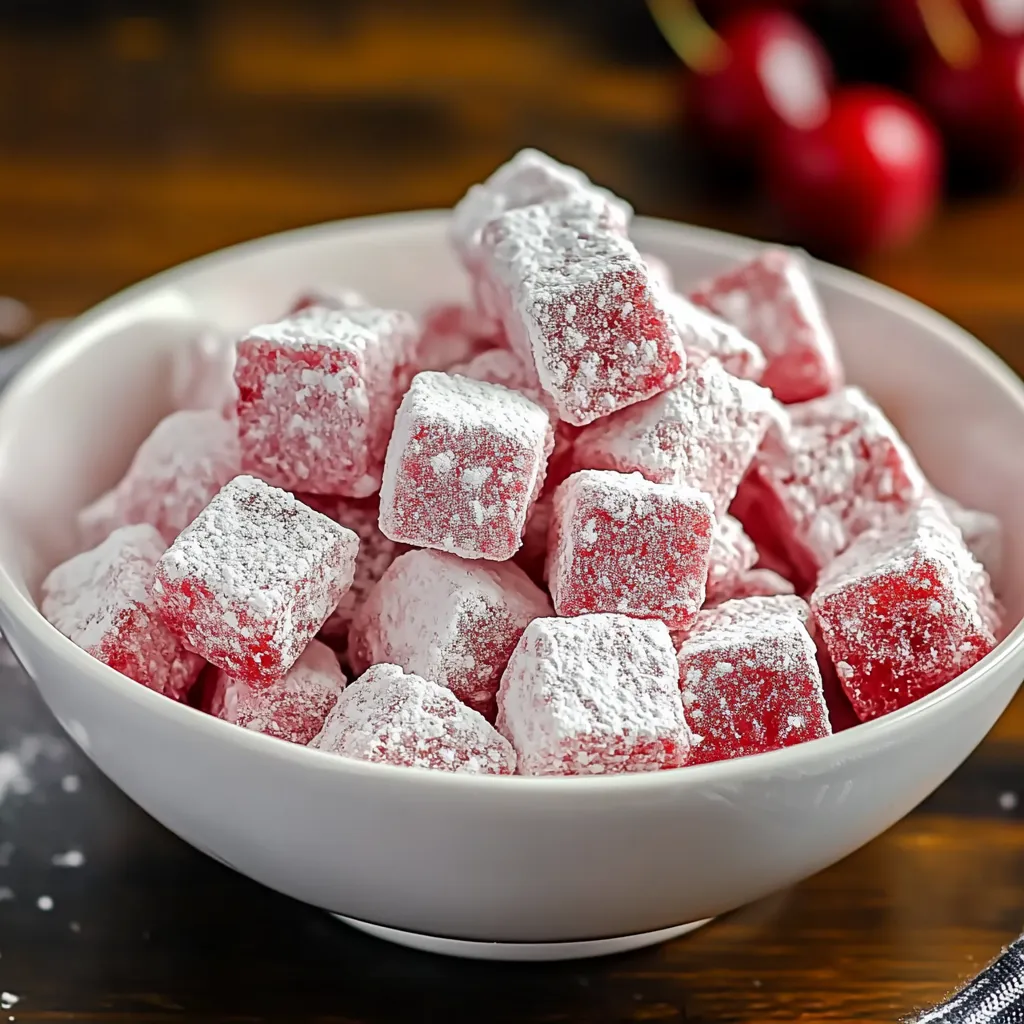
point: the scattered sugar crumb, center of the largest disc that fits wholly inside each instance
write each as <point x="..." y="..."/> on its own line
<point x="1008" y="800"/>
<point x="16" y="762"/>
<point x="71" y="783"/>
<point x="6" y="893"/>
<point x="8" y="999"/>
<point x="71" y="859"/>
<point x="45" y="903"/>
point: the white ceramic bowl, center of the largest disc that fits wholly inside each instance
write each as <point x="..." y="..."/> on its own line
<point x="515" y="860"/>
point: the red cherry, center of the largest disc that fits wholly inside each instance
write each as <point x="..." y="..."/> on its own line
<point x="868" y="177"/>
<point x="774" y="73"/>
<point x="979" y="107"/>
<point x="996" y="17"/>
<point x="988" y="17"/>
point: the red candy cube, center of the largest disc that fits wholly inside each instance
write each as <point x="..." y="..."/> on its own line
<point x="577" y="300"/>
<point x="620" y="543"/>
<point x="202" y="373"/>
<point x="750" y="680"/>
<point x="103" y="601"/>
<point x="454" y="333"/>
<point x="772" y="300"/>
<point x="394" y="718"/>
<point x="903" y="611"/>
<point x="447" y="619"/>
<point x="839" y="469"/>
<point x="254" y="577"/>
<point x="317" y="396"/>
<point x="183" y="463"/>
<point x="704" y="433"/>
<point x="731" y="559"/>
<point x="465" y="463"/>
<point x="706" y="336"/>
<point x="982" y="533"/>
<point x="592" y="695"/>
<point x="293" y="708"/>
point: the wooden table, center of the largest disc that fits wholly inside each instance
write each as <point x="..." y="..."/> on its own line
<point x="131" y="141"/>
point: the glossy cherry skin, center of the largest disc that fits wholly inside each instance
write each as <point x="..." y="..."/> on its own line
<point x="869" y="177"/>
<point x="988" y="17"/>
<point x="775" y="74"/>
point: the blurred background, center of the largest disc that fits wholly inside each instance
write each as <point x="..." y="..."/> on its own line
<point x="886" y="134"/>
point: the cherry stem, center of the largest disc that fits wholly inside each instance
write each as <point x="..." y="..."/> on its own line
<point x="694" y="41"/>
<point x="950" y="31"/>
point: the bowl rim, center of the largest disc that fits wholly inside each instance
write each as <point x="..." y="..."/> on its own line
<point x="78" y="334"/>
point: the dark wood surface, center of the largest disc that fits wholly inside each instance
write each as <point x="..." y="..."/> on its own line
<point x="136" y="136"/>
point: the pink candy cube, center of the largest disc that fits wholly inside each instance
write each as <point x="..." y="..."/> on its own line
<point x="293" y="708"/>
<point x="250" y="582"/>
<point x="103" y="601"/>
<point x="904" y="610"/>
<point x="317" y="395"/>
<point x="465" y="463"/>
<point x="706" y="336"/>
<point x="703" y="433"/>
<point x="393" y="718"/>
<point x="576" y="299"/>
<point x="592" y="695"/>
<point x="447" y="619"/>
<point x="839" y="469"/>
<point x="183" y="463"/>
<point x="202" y="373"/>
<point x="772" y="300"/>
<point x="732" y="557"/>
<point x="750" y="680"/>
<point x="982" y="533"/>
<point x="620" y="543"/>
<point x="454" y="333"/>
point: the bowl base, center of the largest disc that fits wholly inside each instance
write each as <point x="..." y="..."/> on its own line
<point x="472" y="949"/>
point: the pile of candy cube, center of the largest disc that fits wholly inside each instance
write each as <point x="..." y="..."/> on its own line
<point x="585" y="524"/>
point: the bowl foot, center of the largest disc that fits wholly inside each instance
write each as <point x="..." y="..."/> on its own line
<point x="521" y="951"/>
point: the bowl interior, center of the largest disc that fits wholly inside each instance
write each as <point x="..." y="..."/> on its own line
<point x="69" y="426"/>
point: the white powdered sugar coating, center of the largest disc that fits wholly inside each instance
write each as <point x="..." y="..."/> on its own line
<point x="253" y="578"/>
<point x="772" y="301"/>
<point x="394" y="718"/>
<point x="755" y="611"/>
<point x="706" y="336"/>
<point x="502" y="366"/>
<point x="293" y="708"/>
<point x="761" y="583"/>
<point x="103" y="600"/>
<point x="529" y="177"/>
<point x="453" y="621"/>
<point x="465" y="462"/>
<point x="982" y="533"/>
<point x="202" y="373"/>
<point x="183" y="463"/>
<point x="704" y="433"/>
<point x="318" y="392"/>
<point x="592" y="695"/>
<point x="733" y="555"/>
<point x="453" y="333"/>
<point x="659" y="271"/>
<point x="576" y="300"/>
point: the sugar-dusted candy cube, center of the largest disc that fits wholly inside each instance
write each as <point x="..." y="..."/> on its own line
<point x="758" y="582"/>
<point x="592" y="695"/>
<point x="905" y="609"/>
<point x="659" y="271"/>
<point x="577" y="300"/>
<point x="620" y="543"/>
<point x="529" y="177"/>
<point x="772" y="300"/>
<point x="454" y="333"/>
<point x="465" y="463"/>
<point x="838" y="469"/>
<point x="750" y="680"/>
<point x="183" y="463"/>
<point x="292" y="708"/>
<point x="376" y="553"/>
<point x="103" y="601"/>
<point x="502" y="366"/>
<point x="328" y="298"/>
<point x="447" y="619"/>
<point x="704" y="433"/>
<point x="393" y="718"/>
<point x="317" y="395"/>
<point x="706" y="336"/>
<point x="203" y="373"/>
<point x="982" y="533"/>
<point x="732" y="556"/>
<point x="253" y="578"/>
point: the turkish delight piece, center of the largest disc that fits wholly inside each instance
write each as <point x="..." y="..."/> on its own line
<point x="202" y="373"/>
<point x="982" y="532"/>
<point x="184" y="462"/>
<point x="577" y="301"/>
<point x="455" y="333"/>
<point x="904" y="610"/>
<point x="731" y="558"/>
<point x="706" y="336"/>
<point x="293" y="708"/>
<point x="317" y="395"/>
<point x="250" y="582"/>
<point x="102" y="600"/>
<point x="447" y="619"/>
<point x="620" y="543"/>
<point x="592" y="695"/>
<point x="703" y="432"/>
<point x="465" y="463"/>
<point x="750" y="680"/>
<point x="772" y="300"/>
<point x="393" y="718"/>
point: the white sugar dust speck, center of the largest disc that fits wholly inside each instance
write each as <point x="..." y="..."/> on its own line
<point x="71" y="859"/>
<point x="45" y="903"/>
<point x="1008" y="801"/>
<point x="6" y="893"/>
<point x="8" y="999"/>
<point x="75" y="927"/>
<point x="71" y="783"/>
